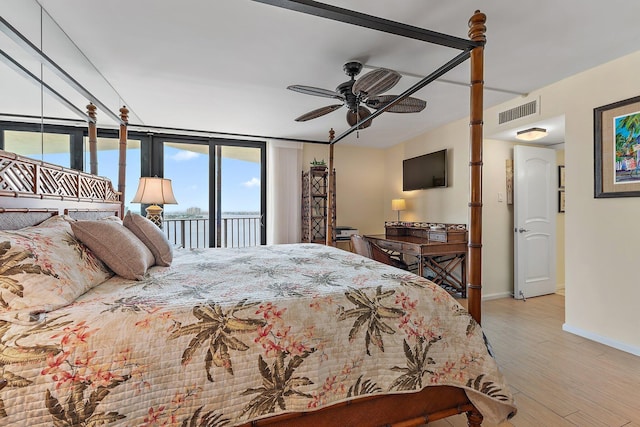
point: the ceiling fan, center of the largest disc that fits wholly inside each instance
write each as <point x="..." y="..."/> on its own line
<point x="366" y="89"/>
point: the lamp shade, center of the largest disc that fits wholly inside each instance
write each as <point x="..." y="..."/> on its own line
<point x="154" y="191"/>
<point x="531" y="134"/>
<point x="398" y="205"/>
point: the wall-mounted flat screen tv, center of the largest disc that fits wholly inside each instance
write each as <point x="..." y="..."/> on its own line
<point x="426" y="171"/>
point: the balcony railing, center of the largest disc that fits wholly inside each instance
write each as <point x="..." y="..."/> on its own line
<point x="235" y="232"/>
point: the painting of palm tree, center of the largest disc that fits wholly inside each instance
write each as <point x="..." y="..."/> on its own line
<point x="627" y="148"/>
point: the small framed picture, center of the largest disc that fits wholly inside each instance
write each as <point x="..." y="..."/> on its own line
<point x="561" y="201"/>
<point x="561" y="176"/>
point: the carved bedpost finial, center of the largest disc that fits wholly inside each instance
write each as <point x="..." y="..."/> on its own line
<point x="124" y="114"/>
<point x="332" y="135"/>
<point x="477" y="27"/>
<point x="91" y="111"/>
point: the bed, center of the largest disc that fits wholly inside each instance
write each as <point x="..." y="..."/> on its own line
<point x="299" y="334"/>
<point x="285" y="335"/>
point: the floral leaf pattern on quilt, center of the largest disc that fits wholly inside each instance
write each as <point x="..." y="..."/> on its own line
<point x="273" y="271"/>
<point x="219" y="328"/>
<point x="208" y="419"/>
<point x="459" y="311"/>
<point x="82" y="413"/>
<point x="11" y="264"/>
<point x="13" y="354"/>
<point x="278" y="382"/>
<point x="360" y="388"/>
<point x="85" y="254"/>
<point x="287" y="289"/>
<point x="81" y="381"/>
<point x="488" y="387"/>
<point x="323" y="279"/>
<point x="135" y="304"/>
<point x="406" y="279"/>
<point x="361" y="264"/>
<point x="371" y="312"/>
<point x="417" y="362"/>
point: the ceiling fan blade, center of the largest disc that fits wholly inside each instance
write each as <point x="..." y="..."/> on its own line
<point x="315" y="91"/>
<point x="407" y="105"/>
<point x="318" y="112"/>
<point x="362" y="113"/>
<point x="375" y="82"/>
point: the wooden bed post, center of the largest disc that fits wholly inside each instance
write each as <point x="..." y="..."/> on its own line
<point x="93" y="139"/>
<point x="122" y="163"/>
<point x="330" y="192"/>
<point x="477" y="29"/>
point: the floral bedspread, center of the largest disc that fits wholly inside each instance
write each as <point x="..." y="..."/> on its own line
<point x="225" y="336"/>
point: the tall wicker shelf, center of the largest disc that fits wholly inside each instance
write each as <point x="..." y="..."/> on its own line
<point x="315" y="186"/>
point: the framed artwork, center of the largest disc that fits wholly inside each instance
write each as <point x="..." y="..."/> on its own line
<point x="617" y="149"/>
<point x="509" y="172"/>
<point x="561" y="176"/>
<point x="561" y="201"/>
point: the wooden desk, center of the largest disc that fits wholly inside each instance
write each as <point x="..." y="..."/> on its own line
<point x="440" y="257"/>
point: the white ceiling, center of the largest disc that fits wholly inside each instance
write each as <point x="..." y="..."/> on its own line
<point x="224" y="65"/>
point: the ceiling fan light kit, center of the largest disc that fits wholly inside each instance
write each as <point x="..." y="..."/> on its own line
<point x="531" y="134"/>
<point x="366" y="90"/>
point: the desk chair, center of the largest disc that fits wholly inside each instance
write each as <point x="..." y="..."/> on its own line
<point x="363" y="247"/>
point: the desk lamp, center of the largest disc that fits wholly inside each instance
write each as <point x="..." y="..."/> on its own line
<point x="398" y="205"/>
<point x="154" y="191"/>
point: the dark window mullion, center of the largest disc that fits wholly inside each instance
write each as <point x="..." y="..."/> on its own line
<point x="76" y="149"/>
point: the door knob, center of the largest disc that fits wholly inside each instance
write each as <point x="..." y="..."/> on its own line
<point x="522" y="230"/>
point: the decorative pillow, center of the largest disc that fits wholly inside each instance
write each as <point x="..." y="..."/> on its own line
<point x="106" y="218"/>
<point x="151" y="236"/>
<point x="43" y="268"/>
<point x="116" y="246"/>
<point x="112" y="218"/>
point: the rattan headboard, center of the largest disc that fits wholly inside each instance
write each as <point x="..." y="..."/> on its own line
<point x="32" y="191"/>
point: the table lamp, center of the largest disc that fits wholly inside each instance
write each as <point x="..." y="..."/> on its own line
<point x="398" y="205"/>
<point x="154" y="191"/>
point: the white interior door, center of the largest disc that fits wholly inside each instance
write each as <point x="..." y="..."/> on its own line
<point x="535" y="206"/>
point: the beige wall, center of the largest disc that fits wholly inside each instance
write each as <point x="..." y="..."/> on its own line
<point x="451" y="204"/>
<point x="436" y="204"/>
<point x="602" y="290"/>
<point x="560" y="237"/>
<point x="359" y="184"/>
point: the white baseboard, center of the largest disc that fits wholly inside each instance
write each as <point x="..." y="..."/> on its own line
<point x="487" y="297"/>
<point x="602" y="340"/>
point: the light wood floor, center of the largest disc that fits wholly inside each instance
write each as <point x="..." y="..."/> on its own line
<point x="558" y="379"/>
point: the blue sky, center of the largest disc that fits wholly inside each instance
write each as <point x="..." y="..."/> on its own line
<point x="188" y="172"/>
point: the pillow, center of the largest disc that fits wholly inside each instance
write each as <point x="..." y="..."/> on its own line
<point x="116" y="246"/>
<point x="112" y="218"/>
<point x="44" y="267"/>
<point x="106" y="218"/>
<point x="151" y="236"/>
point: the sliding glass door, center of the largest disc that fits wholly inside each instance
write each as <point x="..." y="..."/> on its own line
<point x="220" y="184"/>
<point x="220" y="188"/>
<point x="108" y="151"/>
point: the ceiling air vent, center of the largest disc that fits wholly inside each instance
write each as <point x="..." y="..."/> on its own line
<point x="517" y="112"/>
